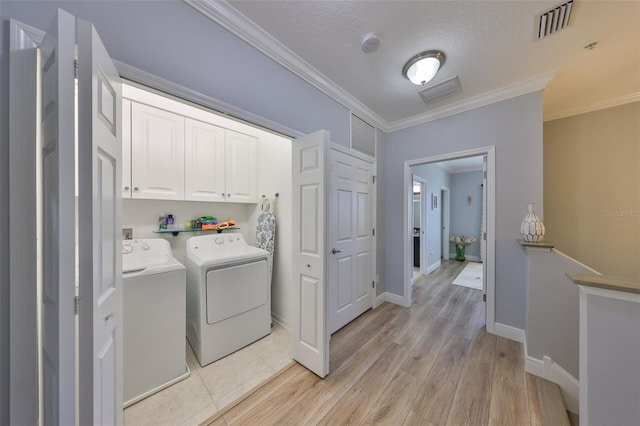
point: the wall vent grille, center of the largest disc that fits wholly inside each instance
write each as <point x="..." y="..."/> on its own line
<point x="554" y="20"/>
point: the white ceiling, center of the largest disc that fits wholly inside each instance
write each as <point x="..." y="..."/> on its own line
<point x="489" y="45"/>
<point x="461" y="165"/>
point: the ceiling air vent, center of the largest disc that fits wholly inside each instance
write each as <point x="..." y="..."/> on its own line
<point x="440" y="90"/>
<point x="554" y="20"/>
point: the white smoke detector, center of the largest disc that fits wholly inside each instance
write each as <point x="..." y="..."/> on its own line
<point x="370" y="43"/>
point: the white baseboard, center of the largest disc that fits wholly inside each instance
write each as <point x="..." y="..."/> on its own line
<point x="393" y="298"/>
<point x="379" y="299"/>
<point x="548" y="369"/>
<point x="433" y="267"/>
<point x="281" y="321"/>
<point x="509" y="332"/>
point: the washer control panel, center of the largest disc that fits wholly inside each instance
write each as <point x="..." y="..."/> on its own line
<point x="151" y="246"/>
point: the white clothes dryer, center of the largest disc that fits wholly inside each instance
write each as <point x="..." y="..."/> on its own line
<point x="228" y="295"/>
<point x="154" y="318"/>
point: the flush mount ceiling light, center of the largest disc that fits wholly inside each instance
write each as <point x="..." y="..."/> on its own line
<point x="423" y="67"/>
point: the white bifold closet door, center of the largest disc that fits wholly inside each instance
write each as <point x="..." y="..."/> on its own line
<point x="98" y="397"/>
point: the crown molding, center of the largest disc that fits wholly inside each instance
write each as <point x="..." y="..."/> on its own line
<point x="595" y="106"/>
<point x="501" y="94"/>
<point x="232" y="20"/>
<point x="144" y="78"/>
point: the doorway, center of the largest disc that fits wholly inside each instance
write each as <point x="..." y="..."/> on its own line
<point x="486" y="239"/>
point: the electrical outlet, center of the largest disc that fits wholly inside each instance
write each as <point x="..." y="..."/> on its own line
<point x="127" y="233"/>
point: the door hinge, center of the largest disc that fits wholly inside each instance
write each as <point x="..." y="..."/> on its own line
<point x="374" y="178"/>
<point x="76" y="304"/>
<point x="373" y="232"/>
<point x="373" y="284"/>
<point x="75" y="68"/>
<point x="485" y="174"/>
<point x="484" y="297"/>
<point x="484" y="236"/>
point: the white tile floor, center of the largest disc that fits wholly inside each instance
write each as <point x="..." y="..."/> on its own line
<point x="210" y="388"/>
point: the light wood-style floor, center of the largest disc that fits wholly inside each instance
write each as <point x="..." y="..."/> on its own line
<point x="430" y="364"/>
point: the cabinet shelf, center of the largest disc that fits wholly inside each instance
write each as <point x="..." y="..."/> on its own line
<point x="175" y="232"/>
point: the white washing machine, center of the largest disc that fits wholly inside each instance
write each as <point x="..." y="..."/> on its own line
<point x="154" y="317"/>
<point x="228" y="295"/>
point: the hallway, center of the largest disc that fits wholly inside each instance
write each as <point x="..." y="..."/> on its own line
<point x="432" y="363"/>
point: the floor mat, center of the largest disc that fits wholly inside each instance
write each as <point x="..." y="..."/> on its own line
<point x="470" y="276"/>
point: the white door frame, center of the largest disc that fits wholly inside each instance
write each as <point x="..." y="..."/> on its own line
<point x="490" y="152"/>
<point x="446" y="217"/>
<point x="424" y="247"/>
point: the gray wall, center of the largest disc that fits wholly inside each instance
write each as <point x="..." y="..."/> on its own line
<point x="466" y="217"/>
<point x="4" y="218"/>
<point x="172" y="40"/>
<point x="514" y="126"/>
<point x="436" y="178"/>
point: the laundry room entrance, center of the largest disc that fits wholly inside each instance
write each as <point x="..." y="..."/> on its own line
<point x="181" y="166"/>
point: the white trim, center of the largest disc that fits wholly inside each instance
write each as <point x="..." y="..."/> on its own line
<point x="550" y="370"/>
<point x="379" y="299"/>
<point x="354" y="153"/>
<point x="490" y="152"/>
<point x="509" y="332"/>
<point x="596" y="106"/>
<point x="501" y="94"/>
<point x="395" y="299"/>
<point x="231" y="19"/>
<point x="610" y="294"/>
<point x="159" y="84"/>
<point x="433" y="267"/>
<point x="281" y="321"/>
<point x="446" y="214"/>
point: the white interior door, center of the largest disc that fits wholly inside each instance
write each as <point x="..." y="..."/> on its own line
<point x="310" y="325"/>
<point x="350" y="229"/>
<point x="99" y="206"/>
<point x="58" y="222"/>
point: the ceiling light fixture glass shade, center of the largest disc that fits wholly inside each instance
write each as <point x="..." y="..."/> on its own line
<point x="423" y="67"/>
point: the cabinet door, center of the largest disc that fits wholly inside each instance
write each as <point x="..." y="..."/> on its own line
<point x="126" y="148"/>
<point x="241" y="173"/>
<point x="157" y="154"/>
<point x="204" y="178"/>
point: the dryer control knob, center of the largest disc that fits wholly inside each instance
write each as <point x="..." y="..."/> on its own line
<point x="219" y="240"/>
<point x="145" y="246"/>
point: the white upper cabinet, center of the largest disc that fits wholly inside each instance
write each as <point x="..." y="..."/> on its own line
<point x="242" y="168"/>
<point x="157" y="153"/>
<point x="176" y="151"/>
<point x="204" y="162"/>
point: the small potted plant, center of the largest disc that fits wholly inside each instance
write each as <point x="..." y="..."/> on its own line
<point x="461" y="243"/>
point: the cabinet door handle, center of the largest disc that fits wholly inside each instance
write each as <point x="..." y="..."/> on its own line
<point x="126" y="188"/>
<point x="228" y="195"/>
<point x="135" y="188"/>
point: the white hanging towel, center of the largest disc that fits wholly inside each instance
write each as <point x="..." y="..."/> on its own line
<point x="266" y="230"/>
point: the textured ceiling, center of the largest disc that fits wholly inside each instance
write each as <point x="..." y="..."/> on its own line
<point x="488" y="44"/>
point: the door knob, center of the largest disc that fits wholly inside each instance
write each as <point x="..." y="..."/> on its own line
<point x="335" y="251"/>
